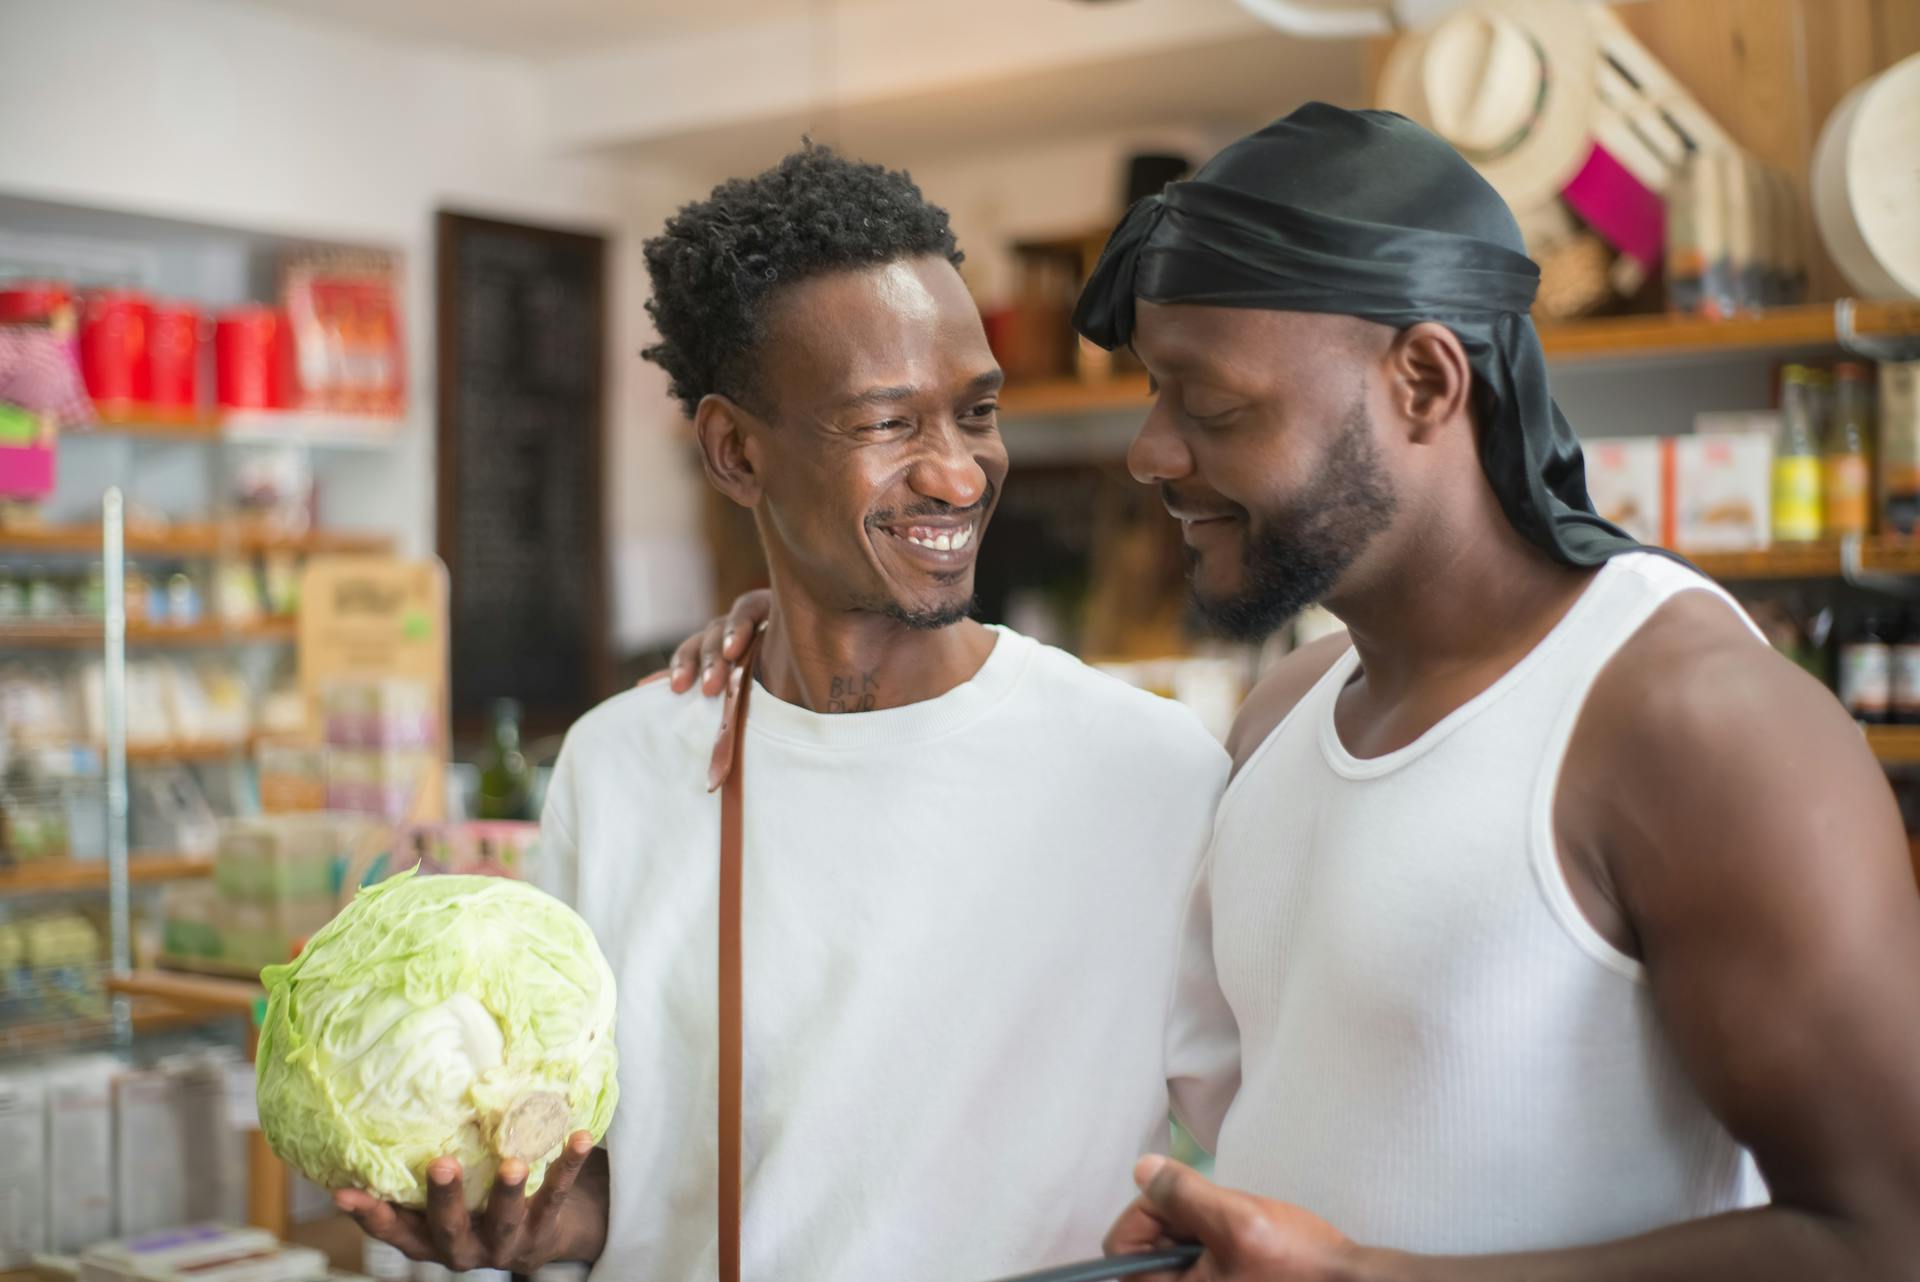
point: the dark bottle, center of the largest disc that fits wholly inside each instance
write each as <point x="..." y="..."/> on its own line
<point x="1904" y="682"/>
<point x="1866" y="677"/>
<point x="506" y="780"/>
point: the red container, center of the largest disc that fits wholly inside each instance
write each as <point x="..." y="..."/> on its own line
<point x="174" y="355"/>
<point x="38" y="302"/>
<point x="114" y="330"/>
<point x="248" y="357"/>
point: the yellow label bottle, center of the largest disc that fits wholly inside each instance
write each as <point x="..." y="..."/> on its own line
<point x="1796" y="499"/>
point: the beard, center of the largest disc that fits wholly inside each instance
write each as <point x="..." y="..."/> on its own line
<point x="930" y="618"/>
<point x="1294" y="559"/>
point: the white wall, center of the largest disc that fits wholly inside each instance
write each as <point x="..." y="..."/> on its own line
<point x="220" y="114"/>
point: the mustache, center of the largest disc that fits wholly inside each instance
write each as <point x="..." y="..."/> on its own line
<point x="1176" y="501"/>
<point x="934" y="507"/>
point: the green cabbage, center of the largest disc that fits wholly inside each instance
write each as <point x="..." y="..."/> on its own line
<point x="462" y="1016"/>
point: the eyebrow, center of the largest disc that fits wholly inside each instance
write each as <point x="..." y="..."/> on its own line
<point x="990" y="381"/>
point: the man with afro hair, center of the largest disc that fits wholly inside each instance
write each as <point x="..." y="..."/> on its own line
<point x="966" y="854"/>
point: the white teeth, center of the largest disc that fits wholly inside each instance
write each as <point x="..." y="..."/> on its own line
<point x="942" y="542"/>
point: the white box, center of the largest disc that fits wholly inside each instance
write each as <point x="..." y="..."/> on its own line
<point x="23" y="1166"/>
<point x="1626" y="481"/>
<point x="215" y="1150"/>
<point x="1722" y="492"/>
<point x="80" y="1152"/>
<point x="202" y="1253"/>
<point x="150" y="1148"/>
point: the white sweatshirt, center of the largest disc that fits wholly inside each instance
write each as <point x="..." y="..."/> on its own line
<point x="962" y="923"/>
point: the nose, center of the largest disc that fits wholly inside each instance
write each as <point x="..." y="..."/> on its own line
<point x="949" y="469"/>
<point x="1158" y="453"/>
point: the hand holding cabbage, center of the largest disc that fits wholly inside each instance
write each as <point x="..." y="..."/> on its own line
<point x="464" y="1022"/>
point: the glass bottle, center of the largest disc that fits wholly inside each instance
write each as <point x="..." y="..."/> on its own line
<point x="1796" y="462"/>
<point x="506" y="780"/>
<point x="1845" y="467"/>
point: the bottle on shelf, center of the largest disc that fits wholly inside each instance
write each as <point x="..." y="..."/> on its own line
<point x="1846" y="468"/>
<point x="1865" y="677"/>
<point x="1899" y="450"/>
<point x="506" y="780"/>
<point x="1797" y="516"/>
<point x="1904" y="693"/>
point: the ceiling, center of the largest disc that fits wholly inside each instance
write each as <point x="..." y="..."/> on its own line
<point x="541" y="28"/>
<point x="1231" y="84"/>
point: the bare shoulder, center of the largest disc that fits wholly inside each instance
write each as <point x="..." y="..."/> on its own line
<point x="1707" y="757"/>
<point x="1696" y="679"/>
<point x="1276" y="693"/>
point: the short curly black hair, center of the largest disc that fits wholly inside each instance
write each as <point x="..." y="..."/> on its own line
<point x="720" y="260"/>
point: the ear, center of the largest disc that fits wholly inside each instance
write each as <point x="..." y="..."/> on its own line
<point x="728" y="434"/>
<point x="1429" y="378"/>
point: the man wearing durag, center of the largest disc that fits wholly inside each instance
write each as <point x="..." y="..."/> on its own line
<point x="1553" y="907"/>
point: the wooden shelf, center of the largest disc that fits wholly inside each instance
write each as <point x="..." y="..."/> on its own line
<point x="1622" y="338"/>
<point x="148" y="1016"/>
<point x="205" y="996"/>
<point x="171" y="754"/>
<point x="1072" y="396"/>
<point x="189" y="540"/>
<point x="1895" y="745"/>
<point x="1808" y="560"/>
<point x="53" y="875"/>
<point x="252" y="427"/>
<point x="58" y="635"/>
<point x="1651" y="337"/>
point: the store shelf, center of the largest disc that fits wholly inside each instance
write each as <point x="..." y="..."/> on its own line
<point x="148" y="1016"/>
<point x="172" y="754"/>
<point x="22" y="636"/>
<point x="1809" y="561"/>
<point x="255" y="427"/>
<point x="202" y="996"/>
<point x="190" y="540"/>
<point x="1649" y="337"/>
<point x="1895" y="745"/>
<point x="1074" y="396"/>
<point x="1622" y="338"/>
<point x="54" y="875"/>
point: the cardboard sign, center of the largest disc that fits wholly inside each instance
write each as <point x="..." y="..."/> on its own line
<point x="373" y="668"/>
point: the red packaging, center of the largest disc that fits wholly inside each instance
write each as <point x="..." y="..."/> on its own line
<point x="174" y="354"/>
<point x="38" y="302"/>
<point x="114" y="329"/>
<point x="248" y="351"/>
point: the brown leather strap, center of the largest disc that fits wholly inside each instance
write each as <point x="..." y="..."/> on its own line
<point x="730" y="749"/>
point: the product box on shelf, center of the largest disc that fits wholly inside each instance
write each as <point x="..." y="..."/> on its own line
<point x="1626" y="478"/>
<point x="80" y="1152"/>
<point x="150" y="1148"/>
<point x="202" y="1253"/>
<point x="216" y="1149"/>
<point x="1722" y="492"/>
<point x="23" y="1165"/>
<point x="481" y="847"/>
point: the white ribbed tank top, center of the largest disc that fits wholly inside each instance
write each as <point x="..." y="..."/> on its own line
<point x="1439" y="1053"/>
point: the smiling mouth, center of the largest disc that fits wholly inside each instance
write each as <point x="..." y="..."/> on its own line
<point x="934" y="538"/>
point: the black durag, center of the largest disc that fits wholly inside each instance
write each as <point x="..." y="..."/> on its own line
<point x="1364" y="213"/>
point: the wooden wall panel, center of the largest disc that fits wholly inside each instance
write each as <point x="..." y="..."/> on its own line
<point x="1771" y="72"/>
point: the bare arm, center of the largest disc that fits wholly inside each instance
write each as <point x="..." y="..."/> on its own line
<point x="1759" y="861"/>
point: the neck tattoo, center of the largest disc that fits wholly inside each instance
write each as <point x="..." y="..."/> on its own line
<point x="853" y="693"/>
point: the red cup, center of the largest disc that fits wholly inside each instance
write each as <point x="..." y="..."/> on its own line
<point x="37" y="302"/>
<point x="114" y="329"/>
<point x="174" y="354"/>
<point x="247" y="351"/>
